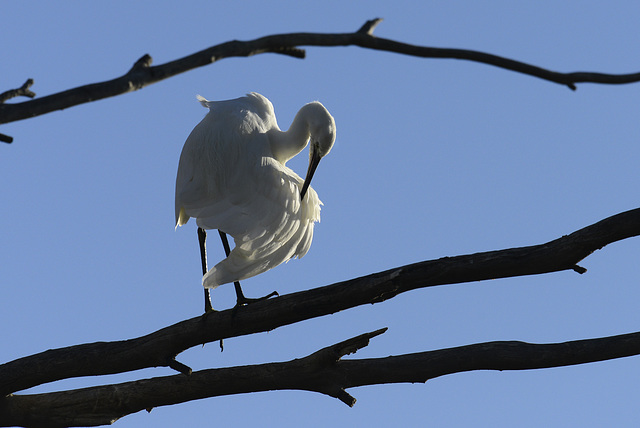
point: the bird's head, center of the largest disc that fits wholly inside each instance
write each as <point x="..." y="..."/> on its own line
<point x="322" y="130"/>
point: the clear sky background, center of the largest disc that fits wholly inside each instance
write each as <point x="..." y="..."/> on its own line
<point x="433" y="158"/>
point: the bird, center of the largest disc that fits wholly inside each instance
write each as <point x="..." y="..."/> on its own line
<point x="232" y="176"/>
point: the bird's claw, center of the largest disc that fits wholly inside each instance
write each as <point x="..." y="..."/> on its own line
<point x="208" y="310"/>
<point x="244" y="301"/>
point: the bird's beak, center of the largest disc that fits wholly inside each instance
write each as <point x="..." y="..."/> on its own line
<point x="313" y="164"/>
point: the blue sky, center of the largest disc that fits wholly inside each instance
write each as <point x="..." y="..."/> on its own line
<point x="433" y="158"/>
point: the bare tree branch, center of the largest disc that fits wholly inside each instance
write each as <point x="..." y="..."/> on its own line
<point x="22" y="91"/>
<point x="143" y="74"/>
<point x="161" y="347"/>
<point x="323" y="371"/>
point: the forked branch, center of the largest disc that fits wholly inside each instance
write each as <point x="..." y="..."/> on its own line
<point x="22" y="91"/>
<point x="323" y="371"/>
<point x="161" y="347"/>
<point x="143" y="73"/>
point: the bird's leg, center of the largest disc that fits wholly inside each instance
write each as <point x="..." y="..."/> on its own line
<point x="241" y="300"/>
<point x="202" y="238"/>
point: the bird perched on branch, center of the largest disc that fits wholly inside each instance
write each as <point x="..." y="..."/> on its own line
<point x="232" y="176"/>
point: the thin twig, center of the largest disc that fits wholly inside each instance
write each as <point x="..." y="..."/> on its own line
<point x="369" y="26"/>
<point x="141" y="75"/>
<point x="22" y="91"/>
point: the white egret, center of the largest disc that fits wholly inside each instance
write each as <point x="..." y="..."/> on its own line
<point x="232" y="176"/>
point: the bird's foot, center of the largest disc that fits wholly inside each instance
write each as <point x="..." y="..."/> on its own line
<point x="207" y="301"/>
<point x="208" y="310"/>
<point x="244" y="301"/>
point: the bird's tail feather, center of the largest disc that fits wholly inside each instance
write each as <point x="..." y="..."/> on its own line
<point x="203" y="101"/>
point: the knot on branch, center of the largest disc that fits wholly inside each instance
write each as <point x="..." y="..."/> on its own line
<point x="369" y="26"/>
<point x="135" y="76"/>
<point x="144" y="62"/>
<point x="328" y="357"/>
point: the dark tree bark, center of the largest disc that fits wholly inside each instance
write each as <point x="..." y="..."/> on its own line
<point x="161" y="347"/>
<point x="324" y="371"/>
<point x="143" y="74"/>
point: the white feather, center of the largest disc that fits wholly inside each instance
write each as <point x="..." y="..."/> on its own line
<point x="232" y="176"/>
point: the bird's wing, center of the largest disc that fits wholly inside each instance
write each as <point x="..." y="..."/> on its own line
<point x="228" y="180"/>
<point x="258" y="205"/>
<point x="210" y="156"/>
<point x="269" y="228"/>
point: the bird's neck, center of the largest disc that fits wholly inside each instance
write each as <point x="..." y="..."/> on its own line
<point x="287" y="144"/>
